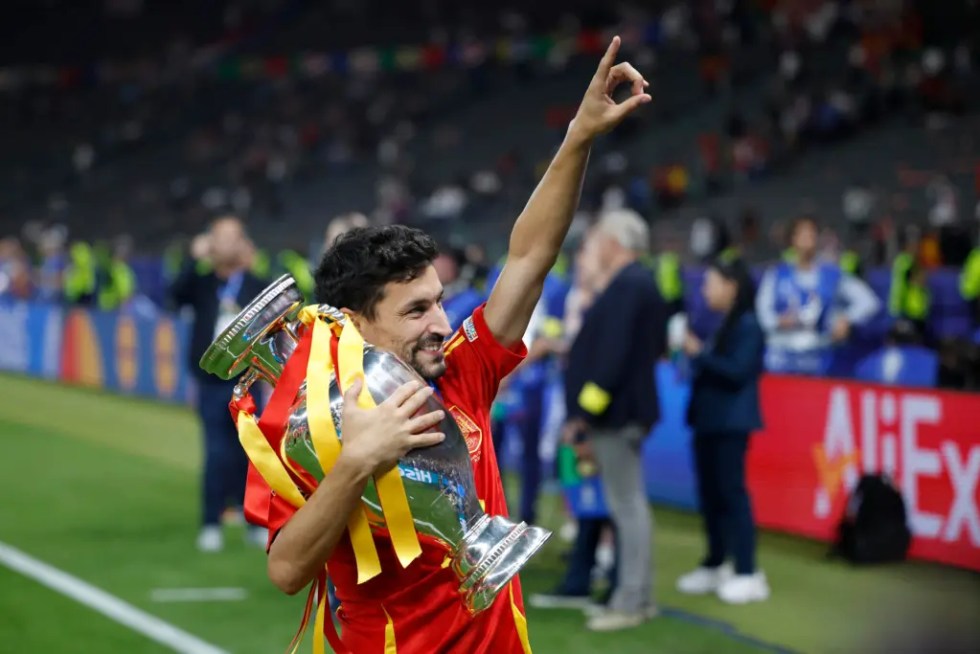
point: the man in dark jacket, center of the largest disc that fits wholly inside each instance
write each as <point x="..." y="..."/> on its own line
<point x="215" y="284"/>
<point x="610" y="395"/>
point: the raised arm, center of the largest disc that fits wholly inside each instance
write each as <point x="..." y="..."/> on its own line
<point x="540" y="230"/>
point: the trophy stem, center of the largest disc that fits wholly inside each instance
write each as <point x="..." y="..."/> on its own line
<point x="491" y="554"/>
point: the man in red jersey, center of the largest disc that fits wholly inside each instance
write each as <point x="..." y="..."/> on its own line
<point x="384" y="280"/>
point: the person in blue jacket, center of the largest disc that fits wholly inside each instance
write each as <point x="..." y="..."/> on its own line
<point x="809" y="309"/>
<point x="523" y="395"/>
<point x="723" y="412"/>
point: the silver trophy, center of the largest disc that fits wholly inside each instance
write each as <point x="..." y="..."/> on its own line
<point x="486" y="551"/>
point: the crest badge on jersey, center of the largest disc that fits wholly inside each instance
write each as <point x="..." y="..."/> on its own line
<point x="470" y="329"/>
<point x="470" y="430"/>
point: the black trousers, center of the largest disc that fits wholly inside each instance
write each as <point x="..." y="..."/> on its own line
<point x="725" y="505"/>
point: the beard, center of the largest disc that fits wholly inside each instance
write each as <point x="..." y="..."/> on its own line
<point x="427" y="361"/>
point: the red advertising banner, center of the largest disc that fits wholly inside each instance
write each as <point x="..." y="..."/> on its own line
<point x="821" y="435"/>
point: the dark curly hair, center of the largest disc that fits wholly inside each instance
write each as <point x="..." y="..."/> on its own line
<point x="356" y="268"/>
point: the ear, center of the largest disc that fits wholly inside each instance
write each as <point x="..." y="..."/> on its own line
<point x="355" y="317"/>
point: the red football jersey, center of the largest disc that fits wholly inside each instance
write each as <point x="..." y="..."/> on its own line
<point x="419" y="609"/>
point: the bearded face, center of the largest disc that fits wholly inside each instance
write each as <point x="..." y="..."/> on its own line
<point x="409" y="321"/>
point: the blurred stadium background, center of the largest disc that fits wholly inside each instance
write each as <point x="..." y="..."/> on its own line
<point x="126" y="125"/>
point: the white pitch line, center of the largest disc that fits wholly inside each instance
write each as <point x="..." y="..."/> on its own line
<point x="198" y="594"/>
<point x="108" y="605"/>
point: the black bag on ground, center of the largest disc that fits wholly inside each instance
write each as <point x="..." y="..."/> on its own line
<point x="874" y="527"/>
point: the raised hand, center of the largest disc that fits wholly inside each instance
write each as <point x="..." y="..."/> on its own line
<point x="599" y="113"/>
<point x="375" y="439"/>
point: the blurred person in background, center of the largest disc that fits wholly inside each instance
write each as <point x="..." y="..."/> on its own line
<point x="291" y="262"/>
<point x="669" y="275"/>
<point x="15" y="271"/>
<point x="970" y="287"/>
<point x="611" y="397"/>
<point x="807" y="307"/>
<point x="460" y="299"/>
<point x="908" y="297"/>
<point x="56" y="265"/>
<point x="256" y="260"/>
<point x="216" y="283"/>
<point x="575" y="588"/>
<point x="525" y="389"/>
<point x="723" y="412"/>
<point x="78" y="283"/>
<point x="341" y="225"/>
<point x="115" y="279"/>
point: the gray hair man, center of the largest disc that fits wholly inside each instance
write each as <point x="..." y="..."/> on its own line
<point x="611" y="399"/>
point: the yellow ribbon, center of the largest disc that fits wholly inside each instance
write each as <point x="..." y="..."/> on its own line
<point x="520" y="622"/>
<point x="321" y="614"/>
<point x="266" y="461"/>
<point x="305" y="622"/>
<point x="391" y="490"/>
<point x="327" y="445"/>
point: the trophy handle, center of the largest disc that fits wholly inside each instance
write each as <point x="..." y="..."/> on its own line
<point x="245" y="383"/>
<point x="261" y="337"/>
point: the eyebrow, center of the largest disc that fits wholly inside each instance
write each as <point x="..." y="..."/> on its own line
<point x="421" y="303"/>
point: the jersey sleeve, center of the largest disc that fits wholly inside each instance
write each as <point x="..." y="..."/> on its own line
<point x="477" y="362"/>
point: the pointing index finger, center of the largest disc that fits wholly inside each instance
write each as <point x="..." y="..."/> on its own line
<point x="608" y="59"/>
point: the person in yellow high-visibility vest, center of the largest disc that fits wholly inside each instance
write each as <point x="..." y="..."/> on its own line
<point x="850" y="262"/>
<point x="666" y="269"/>
<point x="296" y="265"/>
<point x="117" y="281"/>
<point x="970" y="285"/>
<point x="909" y="299"/>
<point x="80" y="275"/>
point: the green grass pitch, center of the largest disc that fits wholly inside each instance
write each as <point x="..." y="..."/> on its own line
<point x="106" y="489"/>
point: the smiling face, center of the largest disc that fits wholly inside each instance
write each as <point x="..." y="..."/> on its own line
<point x="409" y="321"/>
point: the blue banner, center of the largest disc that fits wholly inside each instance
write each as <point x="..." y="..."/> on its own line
<point x="30" y="338"/>
<point x="127" y="354"/>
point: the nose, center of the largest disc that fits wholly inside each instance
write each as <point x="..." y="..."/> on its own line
<point x="440" y="323"/>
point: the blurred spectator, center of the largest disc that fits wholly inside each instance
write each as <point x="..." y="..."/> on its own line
<point x="807" y="306"/>
<point x="970" y="288"/>
<point x="215" y="283"/>
<point x="610" y="395"/>
<point x="460" y="298"/>
<point x="908" y="299"/>
<point x="858" y="205"/>
<point x="341" y="225"/>
<point x="15" y="271"/>
<point x="574" y="589"/>
<point x="116" y="281"/>
<point x="79" y="278"/>
<point x="56" y="265"/>
<point x="709" y="237"/>
<point x="723" y="412"/>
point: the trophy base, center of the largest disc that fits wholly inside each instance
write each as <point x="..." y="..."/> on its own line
<point x="493" y="552"/>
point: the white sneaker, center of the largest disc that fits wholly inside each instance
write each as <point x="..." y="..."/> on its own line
<point x="210" y="539"/>
<point x="595" y="609"/>
<point x="617" y="620"/>
<point x="257" y="536"/>
<point x="568" y="532"/>
<point x="704" y="580"/>
<point x="233" y="518"/>
<point x="742" y="589"/>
